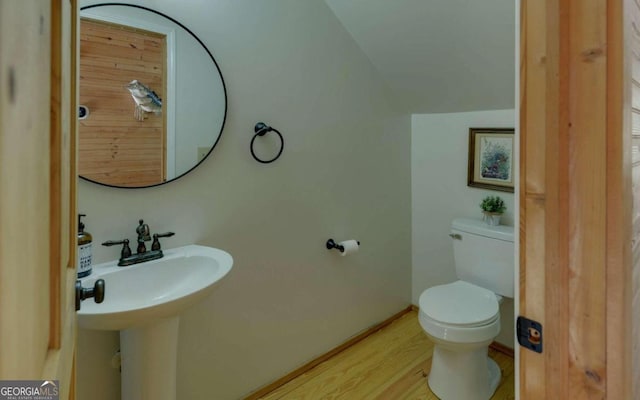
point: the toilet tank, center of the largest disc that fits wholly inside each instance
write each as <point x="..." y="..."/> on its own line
<point x="484" y="255"/>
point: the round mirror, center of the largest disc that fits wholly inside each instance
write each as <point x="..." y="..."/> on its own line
<point x="152" y="99"/>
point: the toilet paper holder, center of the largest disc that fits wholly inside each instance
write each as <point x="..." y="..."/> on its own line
<point x="331" y="244"/>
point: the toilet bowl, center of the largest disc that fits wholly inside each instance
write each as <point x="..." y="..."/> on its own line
<point x="463" y="317"/>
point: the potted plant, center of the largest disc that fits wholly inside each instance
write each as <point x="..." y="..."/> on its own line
<point x="492" y="207"/>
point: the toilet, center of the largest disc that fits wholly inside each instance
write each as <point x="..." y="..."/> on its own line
<point x="462" y="318"/>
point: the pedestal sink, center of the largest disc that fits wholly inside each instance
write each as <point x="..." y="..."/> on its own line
<point x="144" y="302"/>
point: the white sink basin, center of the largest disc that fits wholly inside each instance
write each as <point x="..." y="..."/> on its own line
<point x="145" y="293"/>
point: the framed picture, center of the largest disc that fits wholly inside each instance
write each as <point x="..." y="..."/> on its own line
<point x="491" y="158"/>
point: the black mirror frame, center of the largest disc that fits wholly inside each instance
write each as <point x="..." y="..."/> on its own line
<point x="224" y="88"/>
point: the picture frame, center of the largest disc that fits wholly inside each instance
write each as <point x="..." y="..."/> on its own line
<point x="491" y="159"/>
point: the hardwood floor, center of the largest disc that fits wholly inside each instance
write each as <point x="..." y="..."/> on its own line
<point x="391" y="364"/>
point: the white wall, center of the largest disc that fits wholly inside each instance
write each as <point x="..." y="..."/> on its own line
<point x="439" y="154"/>
<point x="344" y="173"/>
<point x="438" y="55"/>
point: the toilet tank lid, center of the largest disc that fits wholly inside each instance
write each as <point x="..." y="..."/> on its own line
<point x="479" y="227"/>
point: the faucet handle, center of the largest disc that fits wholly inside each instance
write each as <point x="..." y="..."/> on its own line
<point x="126" y="250"/>
<point x="156" y="243"/>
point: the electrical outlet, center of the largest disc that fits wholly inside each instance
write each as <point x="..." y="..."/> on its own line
<point x="202" y="152"/>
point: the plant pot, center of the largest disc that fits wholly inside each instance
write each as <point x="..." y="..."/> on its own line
<point x="491" y="218"/>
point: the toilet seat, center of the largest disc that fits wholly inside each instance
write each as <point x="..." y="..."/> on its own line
<point x="460" y="304"/>
<point x="460" y="312"/>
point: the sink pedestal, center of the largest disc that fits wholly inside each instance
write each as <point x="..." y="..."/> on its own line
<point x="149" y="357"/>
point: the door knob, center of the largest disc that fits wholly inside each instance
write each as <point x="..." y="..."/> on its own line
<point x="97" y="292"/>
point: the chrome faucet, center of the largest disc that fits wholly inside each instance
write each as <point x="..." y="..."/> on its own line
<point x="142" y="255"/>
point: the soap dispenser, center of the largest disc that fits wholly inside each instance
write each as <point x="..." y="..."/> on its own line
<point x="84" y="249"/>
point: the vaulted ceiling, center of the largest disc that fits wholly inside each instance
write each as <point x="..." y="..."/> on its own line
<point x="438" y="55"/>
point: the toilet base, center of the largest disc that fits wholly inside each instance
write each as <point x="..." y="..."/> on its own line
<point x="463" y="375"/>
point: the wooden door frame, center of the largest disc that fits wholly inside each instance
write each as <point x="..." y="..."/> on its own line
<point x="575" y="199"/>
<point x="38" y="205"/>
<point x="60" y="361"/>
